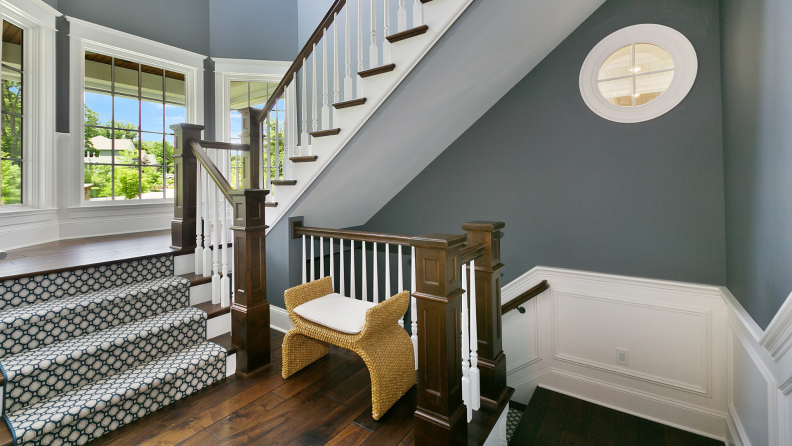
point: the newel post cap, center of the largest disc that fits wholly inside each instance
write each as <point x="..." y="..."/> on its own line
<point x="437" y="241"/>
<point x="489" y="226"/>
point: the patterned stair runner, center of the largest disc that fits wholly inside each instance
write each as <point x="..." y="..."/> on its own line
<point x="84" y="352"/>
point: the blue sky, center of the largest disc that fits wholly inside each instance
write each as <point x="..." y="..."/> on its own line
<point x="127" y="110"/>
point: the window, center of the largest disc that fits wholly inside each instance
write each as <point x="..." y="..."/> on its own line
<point x="129" y="107"/>
<point x="638" y="73"/>
<point x="12" y="154"/>
<point x="255" y="94"/>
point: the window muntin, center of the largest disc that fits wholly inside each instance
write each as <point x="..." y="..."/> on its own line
<point x="128" y="144"/>
<point x="12" y="155"/>
<point x="635" y="74"/>
<point x="255" y="94"/>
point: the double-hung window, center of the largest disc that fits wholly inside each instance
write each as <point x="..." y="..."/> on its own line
<point x="12" y="153"/>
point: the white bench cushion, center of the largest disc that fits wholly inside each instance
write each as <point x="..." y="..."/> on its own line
<point x="336" y="312"/>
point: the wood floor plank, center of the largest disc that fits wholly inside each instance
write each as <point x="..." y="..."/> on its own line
<point x="552" y="426"/>
<point x="202" y="438"/>
<point x="409" y="440"/>
<point x="650" y="433"/>
<point x="570" y="439"/>
<point x="579" y="417"/>
<point x="626" y="429"/>
<point x="601" y="426"/>
<point x="396" y="423"/>
<point x="351" y="386"/>
<point x="352" y="435"/>
<point x="528" y="427"/>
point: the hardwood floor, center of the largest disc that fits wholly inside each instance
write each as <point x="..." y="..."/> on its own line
<point x="73" y="253"/>
<point x="554" y="419"/>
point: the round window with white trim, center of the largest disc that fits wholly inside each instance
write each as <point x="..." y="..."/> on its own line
<point x="638" y="73"/>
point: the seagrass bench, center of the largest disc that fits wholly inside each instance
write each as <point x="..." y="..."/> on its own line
<point x="322" y="317"/>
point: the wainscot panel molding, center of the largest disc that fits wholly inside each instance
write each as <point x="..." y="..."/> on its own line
<point x="279" y="319"/>
<point x="695" y="359"/>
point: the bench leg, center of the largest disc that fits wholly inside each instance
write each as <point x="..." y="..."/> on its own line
<point x="391" y="364"/>
<point x="300" y="351"/>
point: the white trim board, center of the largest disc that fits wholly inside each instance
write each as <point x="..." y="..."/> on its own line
<point x="700" y="382"/>
<point x="279" y="319"/>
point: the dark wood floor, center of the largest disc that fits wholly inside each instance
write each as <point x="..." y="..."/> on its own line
<point x="554" y="419"/>
<point x="73" y="253"/>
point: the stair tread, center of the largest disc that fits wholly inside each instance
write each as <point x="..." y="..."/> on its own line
<point x="224" y="340"/>
<point x="196" y="279"/>
<point x="284" y="182"/>
<point x="51" y="309"/>
<point x="303" y="159"/>
<point x="349" y="103"/>
<point x="412" y="32"/>
<point x="378" y="70"/>
<point x="65" y="409"/>
<point x="212" y="310"/>
<point x="321" y="133"/>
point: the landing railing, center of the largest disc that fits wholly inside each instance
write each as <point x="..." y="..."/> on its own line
<point x="230" y="220"/>
<point x="454" y="313"/>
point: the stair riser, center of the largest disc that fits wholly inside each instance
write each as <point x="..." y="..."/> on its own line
<point x="26" y="291"/>
<point x="200" y="293"/>
<point x="97" y="361"/>
<point x="218" y="325"/>
<point x="125" y="411"/>
<point x="27" y="337"/>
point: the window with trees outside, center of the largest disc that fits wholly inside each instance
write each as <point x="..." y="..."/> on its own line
<point x="12" y="155"/>
<point x="128" y="143"/>
<point x="256" y="94"/>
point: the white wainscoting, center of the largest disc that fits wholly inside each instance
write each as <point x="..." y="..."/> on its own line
<point x="694" y="355"/>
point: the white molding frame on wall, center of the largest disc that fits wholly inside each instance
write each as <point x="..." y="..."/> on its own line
<point x="86" y="36"/>
<point x="244" y="70"/>
<point x="669" y="39"/>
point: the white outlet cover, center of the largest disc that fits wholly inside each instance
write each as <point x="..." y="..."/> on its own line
<point x="623" y="356"/>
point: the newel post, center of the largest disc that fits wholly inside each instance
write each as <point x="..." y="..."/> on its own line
<point x="491" y="360"/>
<point x="250" y="312"/>
<point x="440" y="416"/>
<point x="185" y="186"/>
<point x="251" y="160"/>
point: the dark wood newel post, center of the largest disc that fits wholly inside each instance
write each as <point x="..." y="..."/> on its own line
<point x="440" y="416"/>
<point x="250" y="312"/>
<point x="185" y="187"/>
<point x="492" y="361"/>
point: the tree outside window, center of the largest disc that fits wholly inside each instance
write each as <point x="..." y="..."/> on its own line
<point x="128" y="144"/>
<point x="11" y="148"/>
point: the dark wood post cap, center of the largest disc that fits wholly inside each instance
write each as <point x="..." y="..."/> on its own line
<point x="490" y="226"/>
<point x="437" y="241"/>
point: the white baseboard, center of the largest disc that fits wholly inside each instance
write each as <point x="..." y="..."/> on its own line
<point x="685" y="367"/>
<point x="279" y="319"/>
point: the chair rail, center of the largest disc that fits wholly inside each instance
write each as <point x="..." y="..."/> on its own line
<point x="525" y="297"/>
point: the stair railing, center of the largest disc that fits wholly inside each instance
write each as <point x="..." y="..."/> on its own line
<point x="304" y="105"/>
<point x="455" y="286"/>
<point x="233" y="220"/>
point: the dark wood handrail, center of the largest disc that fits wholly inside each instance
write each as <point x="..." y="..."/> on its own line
<point x="471" y="252"/>
<point x="211" y="169"/>
<point x="298" y="230"/>
<point x="525" y="297"/>
<point x="224" y="146"/>
<point x="298" y="61"/>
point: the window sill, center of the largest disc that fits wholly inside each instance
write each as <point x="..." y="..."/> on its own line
<point x="18" y="209"/>
<point x="125" y="203"/>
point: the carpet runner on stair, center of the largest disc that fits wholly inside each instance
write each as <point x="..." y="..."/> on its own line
<point x="84" y="352"/>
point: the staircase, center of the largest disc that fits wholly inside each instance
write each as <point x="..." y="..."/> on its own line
<point x="86" y="351"/>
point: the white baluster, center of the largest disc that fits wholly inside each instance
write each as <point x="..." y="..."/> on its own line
<point x="375" y="272"/>
<point x="475" y="389"/>
<point x="465" y="347"/>
<point x="373" y="49"/>
<point x="198" y="236"/>
<point x="207" y="231"/>
<point x="387" y="271"/>
<point x="352" y="269"/>
<point x="417" y="13"/>
<point x="267" y="162"/>
<point x="413" y="309"/>
<point x="277" y="146"/>
<point x="225" y="282"/>
<point x="325" y="124"/>
<point x="365" y="270"/>
<point x="332" y="264"/>
<point x="313" y="261"/>
<point x="400" y="285"/>
<point x="304" y="135"/>
<point x="341" y="266"/>
<point x="314" y="96"/>
<point x="304" y="264"/>
<point x="348" y="93"/>
<point x="401" y="17"/>
<point x="336" y="96"/>
<point x="321" y="258"/>
<point x="386" y="45"/>
<point x="360" y="48"/>
<point x="217" y="246"/>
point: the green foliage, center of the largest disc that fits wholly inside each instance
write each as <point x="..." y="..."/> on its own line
<point x="10" y="182"/>
<point x="11" y="145"/>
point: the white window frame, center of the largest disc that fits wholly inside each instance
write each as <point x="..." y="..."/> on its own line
<point x="86" y="36"/>
<point x="240" y="70"/>
<point x="669" y="39"/>
<point x="37" y="21"/>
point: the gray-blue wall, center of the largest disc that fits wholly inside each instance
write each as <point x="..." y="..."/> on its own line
<point x="757" y="138"/>
<point x="578" y="191"/>
<point x="253" y="29"/>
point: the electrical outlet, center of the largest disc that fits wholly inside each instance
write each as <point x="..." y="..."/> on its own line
<point x="623" y="356"/>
